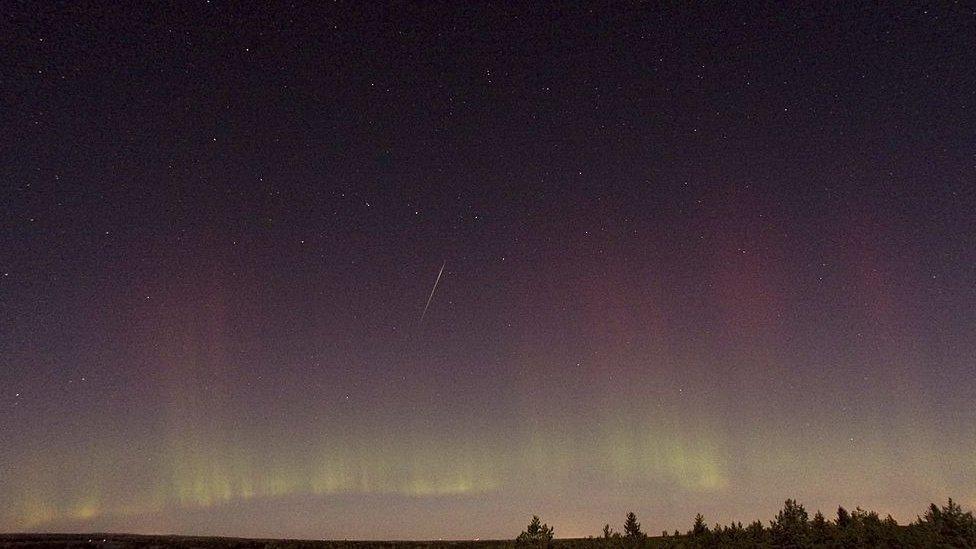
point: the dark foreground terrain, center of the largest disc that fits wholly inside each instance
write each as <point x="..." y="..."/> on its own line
<point x="948" y="526"/>
<point x="125" y="541"/>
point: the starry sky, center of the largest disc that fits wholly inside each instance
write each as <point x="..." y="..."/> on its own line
<point x="695" y="259"/>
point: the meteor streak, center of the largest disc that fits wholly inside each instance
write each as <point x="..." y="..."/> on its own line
<point x="432" y="290"/>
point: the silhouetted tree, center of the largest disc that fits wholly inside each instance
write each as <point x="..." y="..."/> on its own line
<point x="733" y="535"/>
<point x="700" y="535"/>
<point x="866" y="529"/>
<point x="892" y="534"/>
<point x="756" y="533"/>
<point x="791" y="527"/>
<point x="945" y="527"/>
<point x="948" y="526"/>
<point x="536" y="534"/>
<point x="843" y="518"/>
<point x="819" y="529"/>
<point x="632" y="528"/>
<point x="699" y="528"/>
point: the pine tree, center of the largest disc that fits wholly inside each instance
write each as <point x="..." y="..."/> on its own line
<point x="699" y="528"/>
<point x="792" y="526"/>
<point x="865" y="529"/>
<point x="950" y="526"/>
<point x="536" y="534"/>
<point x="891" y="533"/>
<point x="843" y="518"/>
<point x="632" y="527"/>
<point x="819" y="529"/>
<point x="756" y="533"/>
<point x="735" y="533"/>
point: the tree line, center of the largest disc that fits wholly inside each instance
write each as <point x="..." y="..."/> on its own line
<point x="947" y="526"/>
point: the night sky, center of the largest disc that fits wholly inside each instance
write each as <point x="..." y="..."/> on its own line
<point x="695" y="259"/>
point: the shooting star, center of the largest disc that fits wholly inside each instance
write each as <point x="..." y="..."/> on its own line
<point x="432" y="290"/>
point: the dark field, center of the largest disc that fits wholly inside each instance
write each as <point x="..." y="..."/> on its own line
<point x="945" y="526"/>
<point x="131" y="540"/>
